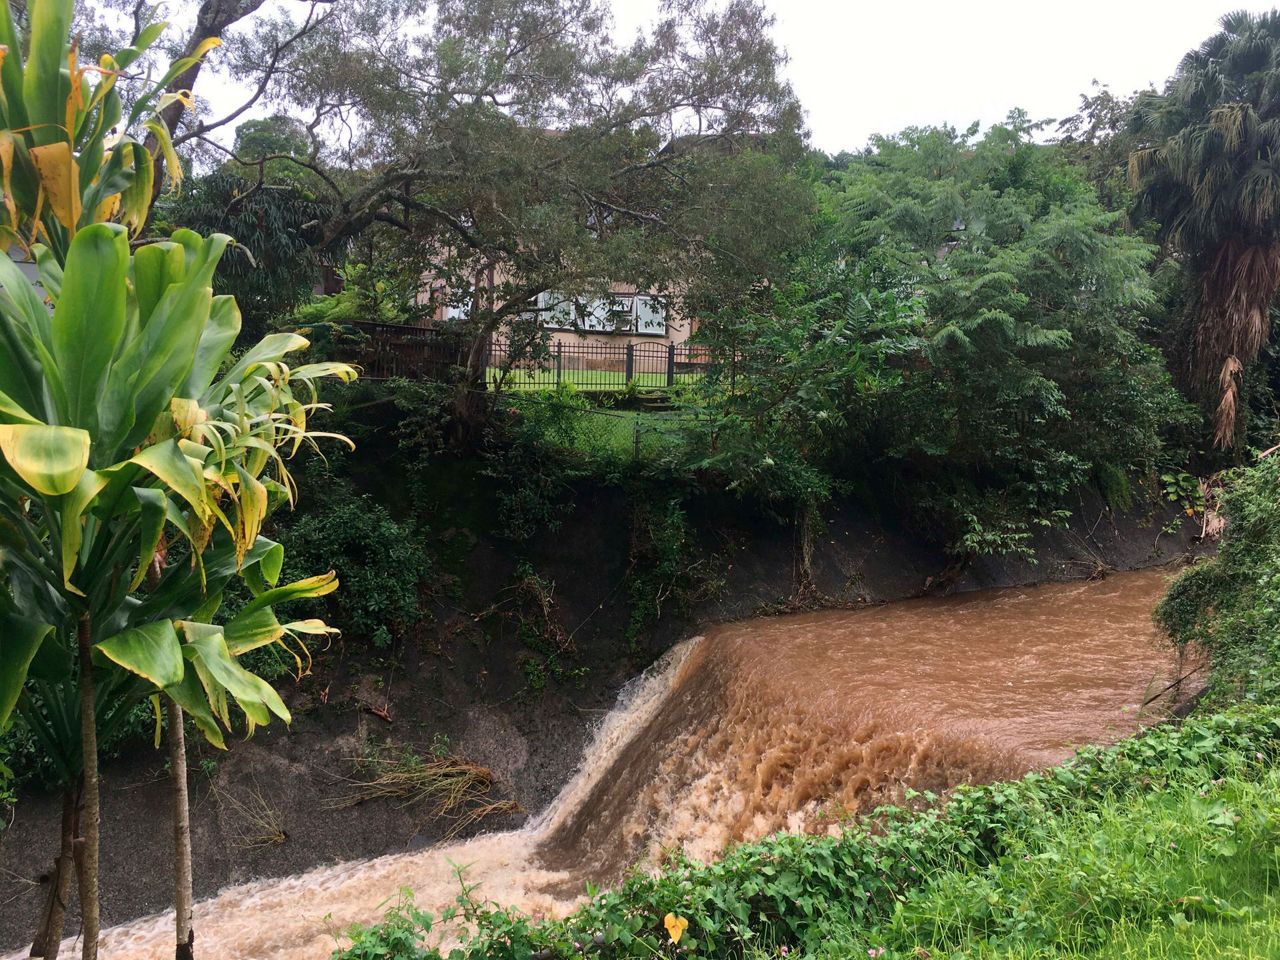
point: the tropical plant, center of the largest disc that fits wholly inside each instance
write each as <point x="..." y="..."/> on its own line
<point x="1030" y="378"/>
<point x="132" y="461"/>
<point x="137" y="467"/>
<point x="1209" y="177"/>
<point x="69" y="153"/>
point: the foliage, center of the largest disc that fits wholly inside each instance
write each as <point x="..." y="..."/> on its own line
<point x="1142" y="870"/>
<point x="69" y="149"/>
<point x="271" y="268"/>
<point x="786" y="890"/>
<point x="1229" y="605"/>
<point x="529" y="453"/>
<point x="1028" y="377"/>
<point x="381" y="562"/>
<point x="792" y="370"/>
<point x="1206" y="175"/>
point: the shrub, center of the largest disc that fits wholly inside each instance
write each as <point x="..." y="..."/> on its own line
<point x="1230" y="605"/>
<point x="381" y="563"/>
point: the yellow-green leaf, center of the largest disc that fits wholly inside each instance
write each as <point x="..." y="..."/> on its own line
<point x="152" y="651"/>
<point x="50" y="459"/>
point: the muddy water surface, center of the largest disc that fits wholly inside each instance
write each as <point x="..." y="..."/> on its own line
<point x="785" y="723"/>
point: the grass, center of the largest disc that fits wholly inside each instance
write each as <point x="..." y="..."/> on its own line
<point x="524" y="379"/>
<point x="1190" y="872"/>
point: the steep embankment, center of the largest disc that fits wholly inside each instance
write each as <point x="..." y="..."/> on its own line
<point x="262" y="809"/>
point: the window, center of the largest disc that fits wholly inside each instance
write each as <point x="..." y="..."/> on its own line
<point x="641" y="314"/>
<point x="651" y="316"/>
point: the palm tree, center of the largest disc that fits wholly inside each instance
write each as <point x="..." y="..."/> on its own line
<point x="1210" y="175"/>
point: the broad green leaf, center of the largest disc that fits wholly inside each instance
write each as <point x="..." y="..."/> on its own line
<point x="168" y="463"/>
<point x="153" y="508"/>
<point x="42" y="86"/>
<point x="50" y="270"/>
<point x="9" y="410"/>
<point x="306" y="589"/>
<point x="22" y="637"/>
<point x="50" y="459"/>
<point x="11" y="72"/>
<point x="249" y="631"/>
<point x="90" y="317"/>
<point x="220" y="675"/>
<point x="190" y="696"/>
<point x="152" y="651"/>
<point x="72" y="509"/>
<point x="155" y="267"/>
<point x="219" y="336"/>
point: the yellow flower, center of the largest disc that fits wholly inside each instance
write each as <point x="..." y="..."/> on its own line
<point x="676" y="926"/>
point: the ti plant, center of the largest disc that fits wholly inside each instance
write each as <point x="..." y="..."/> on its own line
<point x="138" y="458"/>
<point x="136" y="471"/>
<point x="69" y="156"/>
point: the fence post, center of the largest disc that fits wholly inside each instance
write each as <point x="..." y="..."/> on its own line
<point x="559" y="360"/>
<point x="671" y="364"/>
<point x="631" y="362"/>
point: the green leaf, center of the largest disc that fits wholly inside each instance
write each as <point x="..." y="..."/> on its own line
<point x="299" y="590"/>
<point x="219" y="336"/>
<point x="73" y="508"/>
<point x="89" y="318"/>
<point x="22" y="638"/>
<point x="174" y="468"/>
<point x="220" y="675"/>
<point x="152" y="651"/>
<point x="43" y="90"/>
<point x="50" y="459"/>
<point x="153" y="506"/>
<point x="189" y="695"/>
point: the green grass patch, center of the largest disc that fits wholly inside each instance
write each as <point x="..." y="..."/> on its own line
<point x="588" y="380"/>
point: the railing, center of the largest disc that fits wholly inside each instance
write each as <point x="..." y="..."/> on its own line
<point x="423" y="353"/>
<point x="590" y="365"/>
<point x="416" y="353"/>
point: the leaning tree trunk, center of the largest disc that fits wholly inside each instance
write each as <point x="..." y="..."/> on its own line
<point x="182" y="894"/>
<point x="48" y="939"/>
<point x="91" y="820"/>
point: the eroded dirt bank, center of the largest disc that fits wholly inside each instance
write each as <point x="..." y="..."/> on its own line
<point x="261" y="810"/>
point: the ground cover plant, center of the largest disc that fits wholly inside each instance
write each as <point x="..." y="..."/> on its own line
<point x="790" y="895"/>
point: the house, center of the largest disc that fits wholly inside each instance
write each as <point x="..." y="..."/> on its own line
<point x="633" y="333"/>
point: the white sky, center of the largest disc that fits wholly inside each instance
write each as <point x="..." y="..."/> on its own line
<point x="875" y="66"/>
<point x="863" y="67"/>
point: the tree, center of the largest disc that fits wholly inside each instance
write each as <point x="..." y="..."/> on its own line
<point x="271" y="269"/>
<point x="519" y="150"/>
<point x="1029" y="377"/>
<point x="1211" y="182"/>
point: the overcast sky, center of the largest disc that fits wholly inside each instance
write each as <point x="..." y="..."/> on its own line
<point x="875" y="67"/>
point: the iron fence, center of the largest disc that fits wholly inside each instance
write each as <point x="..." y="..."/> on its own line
<point x="392" y="350"/>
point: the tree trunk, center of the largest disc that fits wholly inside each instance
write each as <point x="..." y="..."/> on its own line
<point x="48" y="939"/>
<point x="89" y="915"/>
<point x="182" y="894"/>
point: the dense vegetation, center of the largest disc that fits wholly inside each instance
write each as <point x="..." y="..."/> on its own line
<point x="965" y="331"/>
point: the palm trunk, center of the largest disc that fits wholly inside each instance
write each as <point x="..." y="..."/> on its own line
<point x="89" y="906"/>
<point x="48" y="939"/>
<point x="182" y="894"/>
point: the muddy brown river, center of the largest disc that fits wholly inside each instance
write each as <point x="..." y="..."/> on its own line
<point x="786" y="723"/>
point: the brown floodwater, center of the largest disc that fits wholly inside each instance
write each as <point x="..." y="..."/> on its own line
<point x="784" y="723"/>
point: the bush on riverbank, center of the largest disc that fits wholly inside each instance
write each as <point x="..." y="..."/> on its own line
<point x="1229" y="606"/>
<point x="797" y="891"/>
